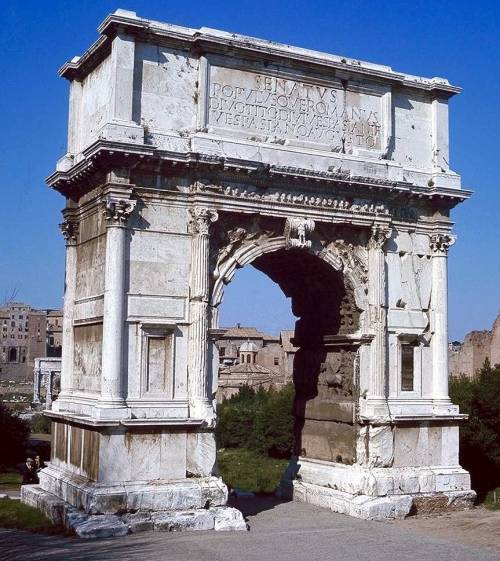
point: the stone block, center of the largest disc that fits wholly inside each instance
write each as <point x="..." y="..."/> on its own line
<point x="380" y="446"/>
<point x="183" y="520"/>
<point x="74" y="517"/>
<point x="228" y="519"/>
<point x="138" y="522"/>
<point x="359" y="506"/>
<point x="51" y="505"/>
<point x="201" y="454"/>
<point x="101" y="526"/>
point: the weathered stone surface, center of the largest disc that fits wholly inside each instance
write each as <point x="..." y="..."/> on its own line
<point x="443" y="502"/>
<point x="201" y="454"/>
<point x="183" y="520"/>
<point x="359" y="506"/>
<point x="228" y="519"/>
<point x="101" y="526"/>
<point x="74" y="517"/>
<point x="51" y="505"/>
<point x="138" y="522"/>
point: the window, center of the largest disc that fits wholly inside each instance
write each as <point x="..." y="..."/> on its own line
<point x="407" y="367"/>
<point x="222" y="351"/>
<point x="276" y="361"/>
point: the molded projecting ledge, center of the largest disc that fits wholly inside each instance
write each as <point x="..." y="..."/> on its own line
<point x="91" y="422"/>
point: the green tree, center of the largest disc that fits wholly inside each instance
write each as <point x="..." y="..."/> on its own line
<point x="274" y="424"/>
<point x="261" y="421"/>
<point x="480" y="435"/>
<point x="14" y="433"/>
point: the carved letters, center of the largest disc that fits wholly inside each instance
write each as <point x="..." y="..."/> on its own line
<point x="282" y="108"/>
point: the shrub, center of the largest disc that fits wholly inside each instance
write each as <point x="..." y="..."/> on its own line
<point x="40" y="424"/>
<point x="480" y="436"/>
<point x="250" y="471"/>
<point x="14" y="432"/>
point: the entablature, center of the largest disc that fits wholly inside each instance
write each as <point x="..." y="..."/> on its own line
<point x="271" y="183"/>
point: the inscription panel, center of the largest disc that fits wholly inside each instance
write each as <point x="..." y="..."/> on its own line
<point x="336" y="114"/>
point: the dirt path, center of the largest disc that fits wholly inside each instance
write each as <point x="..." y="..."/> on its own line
<point x="477" y="527"/>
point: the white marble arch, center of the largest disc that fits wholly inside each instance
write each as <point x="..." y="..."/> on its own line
<point x="248" y="252"/>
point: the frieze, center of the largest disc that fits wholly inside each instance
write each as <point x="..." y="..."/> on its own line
<point x="313" y="200"/>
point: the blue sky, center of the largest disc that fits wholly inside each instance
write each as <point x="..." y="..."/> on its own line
<point x="458" y="40"/>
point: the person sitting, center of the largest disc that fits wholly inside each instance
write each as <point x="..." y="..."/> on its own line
<point x="28" y="471"/>
<point x="39" y="464"/>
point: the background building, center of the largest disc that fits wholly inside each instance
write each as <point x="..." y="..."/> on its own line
<point x="248" y="357"/>
<point x="468" y="357"/>
<point x="27" y="333"/>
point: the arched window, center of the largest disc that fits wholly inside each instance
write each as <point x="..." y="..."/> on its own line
<point x="13" y="355"/>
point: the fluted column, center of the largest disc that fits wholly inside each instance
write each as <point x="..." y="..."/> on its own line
<point x="440" y="243"/>
<point x="117" y="212"/>
<point x="69" y="229"/>
<point x="377" y="311"/>
<point x="201" y="219"/>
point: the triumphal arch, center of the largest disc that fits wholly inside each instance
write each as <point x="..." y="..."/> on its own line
<point x="193" y="152"/>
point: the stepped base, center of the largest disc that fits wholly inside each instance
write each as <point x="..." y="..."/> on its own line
<point x="60" y="512"/>
<point x="380" y="508"/>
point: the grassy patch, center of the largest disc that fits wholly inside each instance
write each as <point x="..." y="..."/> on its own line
<point x="492" y="500"/>
<point x="10" y="479"/>
<point x="16" y="515"/>
<point x="245" y="469"/>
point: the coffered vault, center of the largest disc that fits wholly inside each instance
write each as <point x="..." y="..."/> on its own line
<point x="192" y="152"/>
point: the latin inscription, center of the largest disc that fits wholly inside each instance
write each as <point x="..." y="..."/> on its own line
<point x="288" y="109"/>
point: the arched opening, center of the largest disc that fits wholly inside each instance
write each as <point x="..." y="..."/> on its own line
<point x="325" y="358"/>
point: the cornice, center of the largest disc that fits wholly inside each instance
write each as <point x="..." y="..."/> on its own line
<point x="105" y="154"/>
<point x="206" y="40"/>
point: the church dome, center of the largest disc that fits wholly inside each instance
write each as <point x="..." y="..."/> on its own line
<point x="248" y="347"/>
